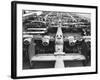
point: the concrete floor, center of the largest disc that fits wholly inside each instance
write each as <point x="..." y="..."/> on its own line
<point x="51" y="64"/>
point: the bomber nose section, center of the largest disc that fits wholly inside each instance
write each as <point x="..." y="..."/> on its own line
<point x="59" y="36"/>
<point x="59" y="40"/>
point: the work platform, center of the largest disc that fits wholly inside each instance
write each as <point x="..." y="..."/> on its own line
<point x="59" y="59"/>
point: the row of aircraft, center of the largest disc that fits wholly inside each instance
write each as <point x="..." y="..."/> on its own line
<point x="66" y="46"/>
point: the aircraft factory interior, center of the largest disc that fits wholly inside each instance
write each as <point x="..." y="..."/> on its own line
<point x="54" y="39"/>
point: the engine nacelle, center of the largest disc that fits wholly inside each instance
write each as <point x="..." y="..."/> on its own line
<point x="27" y="41"/>
<point x="72" y="41"/>
<point x="45" y="40"/>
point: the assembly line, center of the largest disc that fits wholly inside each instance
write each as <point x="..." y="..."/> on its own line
<point x="55" y="36"/>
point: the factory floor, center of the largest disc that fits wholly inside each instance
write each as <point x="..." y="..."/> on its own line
<point x="50" y="64"/>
